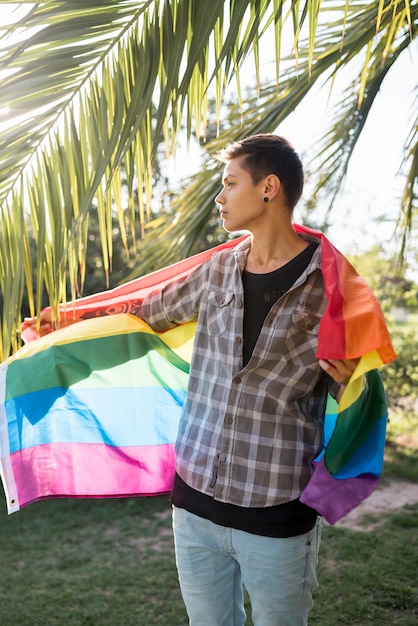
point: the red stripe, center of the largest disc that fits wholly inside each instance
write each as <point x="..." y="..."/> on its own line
<point x="140" y="287"/>
<point x="353" y="323"/>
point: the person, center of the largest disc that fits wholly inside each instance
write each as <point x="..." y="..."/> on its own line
<point x="253" y="418"/>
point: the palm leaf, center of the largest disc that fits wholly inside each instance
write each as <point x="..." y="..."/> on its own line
<point x="193" y="208"/>
<point x="92" y="86"/>
<point x="410" y="195"/>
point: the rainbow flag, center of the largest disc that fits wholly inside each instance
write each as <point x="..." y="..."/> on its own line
<point x="92" y="410"/>
<point x="353" y="326"/>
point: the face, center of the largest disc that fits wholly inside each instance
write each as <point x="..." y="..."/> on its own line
<point x="240" y="202"/>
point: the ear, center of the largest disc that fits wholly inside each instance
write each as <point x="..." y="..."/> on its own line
<point x="272" y="185"/>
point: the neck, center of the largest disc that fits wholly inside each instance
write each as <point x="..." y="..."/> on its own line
<point x="273" y="249"/>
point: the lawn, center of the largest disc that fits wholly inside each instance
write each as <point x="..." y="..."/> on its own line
<point x="111" y="562"/>
<point x="96" y="562"/>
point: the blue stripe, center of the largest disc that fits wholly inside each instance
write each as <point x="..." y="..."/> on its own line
<point x="115" y="416"/>
<point x="368" y="458"/>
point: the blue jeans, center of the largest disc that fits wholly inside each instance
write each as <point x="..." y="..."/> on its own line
<point x="214" y="562"/>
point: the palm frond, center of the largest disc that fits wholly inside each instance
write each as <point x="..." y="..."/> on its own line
<point x="409" y="210"/>
<point x="352" y="111"/>
<point x="92" y="86"/>
<point x="193" y="207"/>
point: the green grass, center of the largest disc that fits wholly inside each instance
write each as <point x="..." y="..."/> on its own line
<point x="370" y="578"/>
<point x="98" y="562"/>
<point x="400" y="463"/>
<point x="111" y="563"/>
<point x="401" y="453"/>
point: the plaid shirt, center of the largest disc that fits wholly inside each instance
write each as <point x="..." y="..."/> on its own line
<point x="248" y="435"/>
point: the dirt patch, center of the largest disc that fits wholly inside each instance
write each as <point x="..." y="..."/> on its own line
<point x="389" y="497"/>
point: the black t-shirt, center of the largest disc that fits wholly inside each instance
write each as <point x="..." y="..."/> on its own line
<point x="261" y="291"/>
<point x="282" y="520"/>
<point x="293" y="518"/>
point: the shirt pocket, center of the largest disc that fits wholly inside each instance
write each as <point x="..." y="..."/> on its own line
<point x="219" y="311"/>
<point x="302" y="338"/>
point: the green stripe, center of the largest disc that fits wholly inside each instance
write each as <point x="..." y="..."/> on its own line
<point x="73" y="363"/>
<point x="355" y="423"/>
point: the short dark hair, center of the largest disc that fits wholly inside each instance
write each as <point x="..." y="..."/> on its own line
<point x="266" y="154"/>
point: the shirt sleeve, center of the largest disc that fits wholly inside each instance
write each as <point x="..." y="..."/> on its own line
<point x="177" y="302"/>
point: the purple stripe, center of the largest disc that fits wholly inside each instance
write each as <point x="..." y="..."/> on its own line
<point x="92" y="470"/>
<point x="332" y="497"/>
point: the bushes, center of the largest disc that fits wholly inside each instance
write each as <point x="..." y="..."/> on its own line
<point x="401" y="376"/>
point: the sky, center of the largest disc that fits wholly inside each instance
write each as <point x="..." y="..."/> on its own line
<point x="366" y="210"/>
<point x="372" y="188"/>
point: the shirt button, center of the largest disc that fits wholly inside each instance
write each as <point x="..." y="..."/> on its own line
<point x="239" y="304"/>
<point x="239" y="339"/>
<point x="237" y="380"/>
<point x="228" y="420"/>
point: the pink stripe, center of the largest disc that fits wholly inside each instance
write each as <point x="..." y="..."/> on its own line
<point x="92" y="471"/>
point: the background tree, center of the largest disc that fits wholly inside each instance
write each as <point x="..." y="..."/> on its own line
<point x="395" y="292"/>
<point x="92" y="85"/>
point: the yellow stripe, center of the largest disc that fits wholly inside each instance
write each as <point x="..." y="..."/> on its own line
<point x="351" y="393"/>
<point x="355" y="387"/>
<point x="369" y="361"/>
<point x="179" y="339"/>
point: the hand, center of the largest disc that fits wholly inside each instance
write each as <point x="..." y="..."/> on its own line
<point x="31" y="323"/>
<point x="339" y="369"/>
<point x="46" y="325"/>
